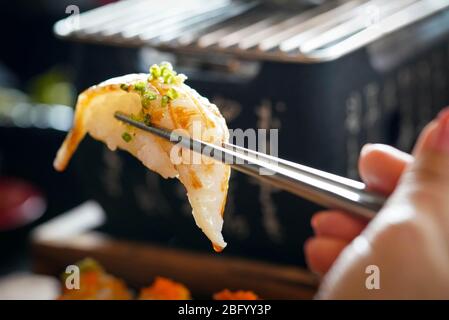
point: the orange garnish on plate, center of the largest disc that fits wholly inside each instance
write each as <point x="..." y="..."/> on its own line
<point x="235" y="295"/>
<point x="165" y="289"/>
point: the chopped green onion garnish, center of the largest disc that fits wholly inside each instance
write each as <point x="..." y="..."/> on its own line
<point x="166" y="65"/>
<point x="140" y="87"/>
<point x="147" y="119"/>
<point x="147" y="98"/>
<point x="124" y="86"/>
<point x="165" y="100"/>
<point x="150" y="95"/>
<point x="126" y="137"/>
<point x="155" y="71"/>
<point x="165" y="73"/>
<point x="169" y="79"/>
<point x="172" y="94"/>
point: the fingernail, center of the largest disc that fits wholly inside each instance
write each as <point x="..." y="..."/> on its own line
<point x="316" y="220"/>
<point x="365" y="148"/>
<point x="441" y="140"/>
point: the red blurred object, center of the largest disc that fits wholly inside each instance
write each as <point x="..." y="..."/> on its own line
<point x="20" y="203"/>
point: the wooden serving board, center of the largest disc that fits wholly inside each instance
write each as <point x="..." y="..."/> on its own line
<point x="56" y="245"/>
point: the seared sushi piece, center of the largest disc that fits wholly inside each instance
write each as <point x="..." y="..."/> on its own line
<point x="160" y="98"/>
<point x="95" y="284"/>
<point x="165" y="289"/>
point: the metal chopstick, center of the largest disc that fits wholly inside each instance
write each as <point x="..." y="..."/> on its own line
<point x="321" y="187"/>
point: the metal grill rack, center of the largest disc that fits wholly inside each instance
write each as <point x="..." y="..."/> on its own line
<point x="248" y="29"/>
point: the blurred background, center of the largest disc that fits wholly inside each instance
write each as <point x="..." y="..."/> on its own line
<point x="330" y="75"/>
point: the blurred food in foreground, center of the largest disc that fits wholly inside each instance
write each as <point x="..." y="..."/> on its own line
<point x="165" y="289"/>
<point x="95" y="284"/>
<point x="235" y="295"/>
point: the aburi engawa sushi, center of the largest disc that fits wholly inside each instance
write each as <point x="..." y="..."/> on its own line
<point x="159" y="98"/>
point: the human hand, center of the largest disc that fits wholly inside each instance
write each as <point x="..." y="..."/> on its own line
<point x="380" y="168"/>
<point x="408" y="240"/>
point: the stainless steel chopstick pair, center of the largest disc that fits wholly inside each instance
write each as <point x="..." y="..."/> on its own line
<point x="321" y="187"/>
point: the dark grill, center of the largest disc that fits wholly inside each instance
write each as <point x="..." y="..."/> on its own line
<point x="249" y="29"/>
